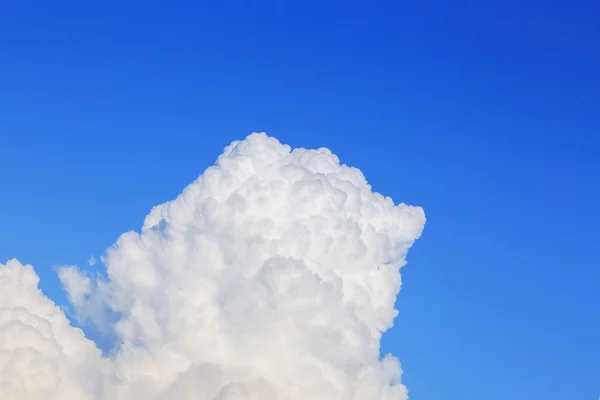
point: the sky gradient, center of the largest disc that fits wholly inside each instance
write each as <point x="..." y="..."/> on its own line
<point x="487" y="116"/>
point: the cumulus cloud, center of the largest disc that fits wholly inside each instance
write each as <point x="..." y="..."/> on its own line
<point x="271" y="277"/>
<point x="41" y="355"/>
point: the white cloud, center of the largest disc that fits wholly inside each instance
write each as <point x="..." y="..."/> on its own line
<point x="92" y="261"/>
<point x="272" y="276"/>
<point x="41" y="355"/>
<point x="77" y="285"/>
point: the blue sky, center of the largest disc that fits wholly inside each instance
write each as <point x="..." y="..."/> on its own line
<point x="487" y="115"/>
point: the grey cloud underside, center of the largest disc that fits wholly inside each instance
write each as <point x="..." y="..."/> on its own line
<point x="272" y="276"/>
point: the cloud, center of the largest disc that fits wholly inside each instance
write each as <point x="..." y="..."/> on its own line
<point x="41" y="354"/>
<point x="271" y="277"/>
<point x="92" y="261"/>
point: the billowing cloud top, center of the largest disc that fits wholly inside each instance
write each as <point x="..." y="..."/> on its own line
<point x="271" y="277"/>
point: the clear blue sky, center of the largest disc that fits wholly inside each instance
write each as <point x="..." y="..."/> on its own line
<point x="487" y="114"/>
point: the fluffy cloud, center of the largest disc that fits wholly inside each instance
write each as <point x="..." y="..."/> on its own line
<point x="271" y="277"/>
<point x="41" y="355"/>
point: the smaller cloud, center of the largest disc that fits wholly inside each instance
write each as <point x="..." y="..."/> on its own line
<point x="92" y="261"/>
<point x="77" y="285"/>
